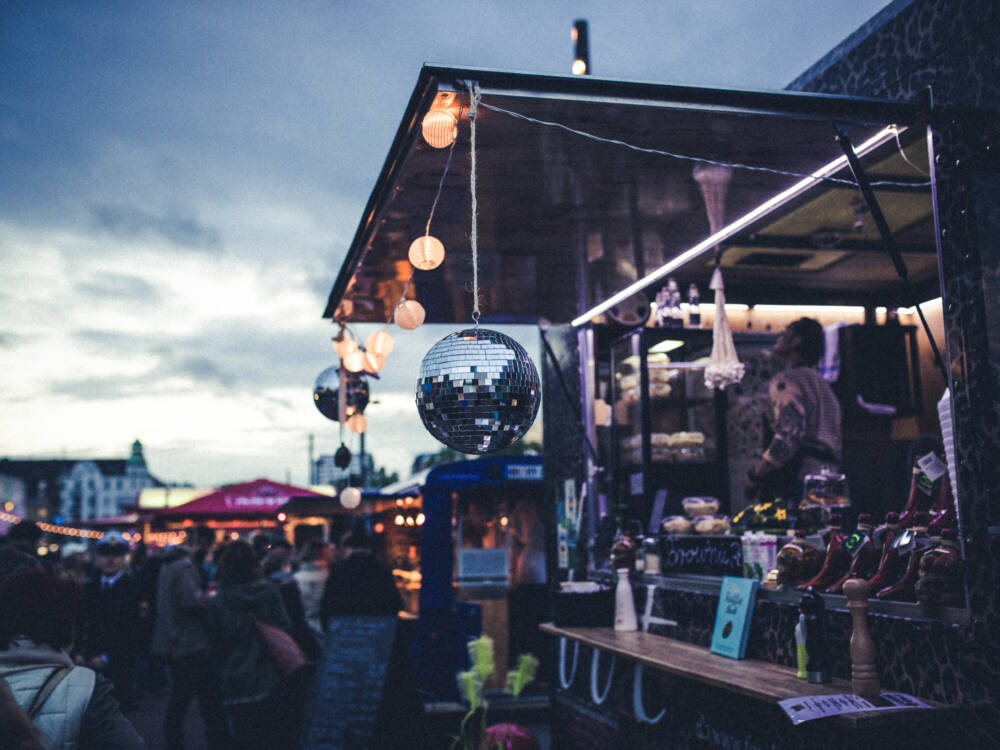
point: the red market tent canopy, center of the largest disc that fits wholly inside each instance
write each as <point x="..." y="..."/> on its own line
<point x="260" y="498"/>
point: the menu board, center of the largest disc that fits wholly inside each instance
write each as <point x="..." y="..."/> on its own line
<point x="713" y="555"/>
<point x="349" y="683"/>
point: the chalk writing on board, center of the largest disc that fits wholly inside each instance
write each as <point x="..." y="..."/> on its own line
<point x="701" y="554"/>
<point x="349" y="682"/>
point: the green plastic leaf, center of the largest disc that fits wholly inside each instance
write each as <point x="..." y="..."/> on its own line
<point x="520" y="677"/>
<point x="481" y="654"/>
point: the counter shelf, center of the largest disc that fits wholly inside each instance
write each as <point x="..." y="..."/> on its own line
<point x="703" y="583"/>
<point x="755" y="679"/>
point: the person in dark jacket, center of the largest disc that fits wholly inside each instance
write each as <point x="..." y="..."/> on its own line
<point x="277" y="568"/>
<point x="358" y="584"/>
<point x="110" y="621"/>
<point x="37" y="622"/>
<point x="180" y="637"/>
<point x="249" y="681"/>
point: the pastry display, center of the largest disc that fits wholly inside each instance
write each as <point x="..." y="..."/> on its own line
<point x="677" y="525"/>
<point x="711" y="524"/>
<point x="700" y="506"/>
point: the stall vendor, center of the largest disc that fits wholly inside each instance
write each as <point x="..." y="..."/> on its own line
<point x="802" y="430"/>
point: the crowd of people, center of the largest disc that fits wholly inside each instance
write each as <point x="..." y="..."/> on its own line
<point x="84" y="636"/>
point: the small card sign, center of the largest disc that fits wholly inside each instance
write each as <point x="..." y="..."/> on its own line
<point x="932" y="466"/>
<point x="810" y="707"/>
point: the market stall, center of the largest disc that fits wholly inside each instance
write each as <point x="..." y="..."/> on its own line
<point x="596" y="203"/>
<point x="241" y="509"/>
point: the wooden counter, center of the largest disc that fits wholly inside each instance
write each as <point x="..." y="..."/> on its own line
<point x="760" y="680"/>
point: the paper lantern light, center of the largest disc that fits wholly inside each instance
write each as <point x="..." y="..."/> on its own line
<point x="345" y="346"/>
<point x="439" y="127"/>
<point x="426" y="252"/>
<point x="350" y="498"/>
<point x="357" y="423"/>
<point x="354" y="361"/>
<point x="478" y="391"/>
<point x="409" y="314"/>
<point x="379" y="342"/>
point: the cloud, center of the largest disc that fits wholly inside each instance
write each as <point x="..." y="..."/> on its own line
<point x="118" y="286"/>
<point x="131" y="222"/>
<point x="205" y="370"/>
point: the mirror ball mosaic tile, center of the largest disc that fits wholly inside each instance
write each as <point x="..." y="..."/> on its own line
<point x="478" y="391"/>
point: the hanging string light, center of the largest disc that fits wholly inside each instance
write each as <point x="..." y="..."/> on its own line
<point x="440" y="125"/>
<point x="409" y="314"/>
<point x="478" y="390"/>
<point x="350" y="498"/>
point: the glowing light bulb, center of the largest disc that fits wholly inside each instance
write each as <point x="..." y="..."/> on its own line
<point x="399" y="520"/>
<point x="439" y="128"/>
<point x="380" y="342"/>
<point x="357" y="423"/>
<point x="345" y="346"/>
<point x="373" y="362"/>
<point x="350" y="498"/>
<point x="354" y="361"/>
<point x="426" y="252"/>
<point x="409" y="314"/>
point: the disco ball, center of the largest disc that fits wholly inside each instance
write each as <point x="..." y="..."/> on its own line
<point x="326" y="392"/>
<point x="478" y="391"/>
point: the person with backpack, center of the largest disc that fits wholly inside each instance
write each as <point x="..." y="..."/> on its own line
<point x="72" y="706"/>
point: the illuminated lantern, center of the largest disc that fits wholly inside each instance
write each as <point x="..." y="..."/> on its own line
<point x="426" y="252"/>
<point x="354" y="361"/>
<point x="439" y="127"/>
<point x="350" y="498"/>
<point x="409" y="314"/>
<point x="357" y="423"/>
<point x="379" y="342"/>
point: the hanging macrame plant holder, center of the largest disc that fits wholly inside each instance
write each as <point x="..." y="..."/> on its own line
<point x="724" y="367"/>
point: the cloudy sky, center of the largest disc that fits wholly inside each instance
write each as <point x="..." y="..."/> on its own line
<point x="181" y="180"/>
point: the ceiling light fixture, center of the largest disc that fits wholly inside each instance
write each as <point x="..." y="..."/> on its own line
<point x="765" y="208"/>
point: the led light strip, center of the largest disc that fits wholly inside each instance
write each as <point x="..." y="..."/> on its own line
<point x="729" y="230"/>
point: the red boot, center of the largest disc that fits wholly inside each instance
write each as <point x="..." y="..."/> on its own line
<point x="837" y="560"/>
<point x="861" y="546"/>
<point x="925" y="494"/>
<point x="891" y="564"/>
<point x="903" y="589"/>
<point x="943" y="513"/>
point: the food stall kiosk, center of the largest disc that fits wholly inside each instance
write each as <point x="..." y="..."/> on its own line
<point x="587" y="207"/>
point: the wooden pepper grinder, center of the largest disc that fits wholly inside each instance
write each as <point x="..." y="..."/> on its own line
<point x="864" y="677"/>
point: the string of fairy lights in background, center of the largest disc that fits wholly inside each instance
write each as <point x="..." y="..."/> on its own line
<point x="162" y="538"/>
<point x="53" y="528"/>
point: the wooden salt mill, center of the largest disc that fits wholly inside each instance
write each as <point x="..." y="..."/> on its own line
<point x="864" y="677"/>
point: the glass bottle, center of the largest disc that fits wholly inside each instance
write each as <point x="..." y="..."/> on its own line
<point x="694" y="307"/>
<point x="940" y="577"/>
<point x="798" y="560"/>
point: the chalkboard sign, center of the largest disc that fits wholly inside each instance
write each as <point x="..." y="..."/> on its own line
<point x="349" y="683"/>
<point x="715" y="555"/>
